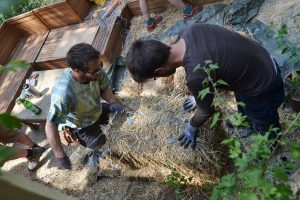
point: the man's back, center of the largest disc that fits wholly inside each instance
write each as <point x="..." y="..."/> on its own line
<point x="244" y="64"/>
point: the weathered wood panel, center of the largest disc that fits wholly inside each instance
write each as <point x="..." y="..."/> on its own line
<point x="9" y="39"/>
<point x="29" y="47"/>
<point x="10" y="87"/>
<point x="80" y="7"/>
<point x="63" y="14"/>
<point x="28" y="24"/>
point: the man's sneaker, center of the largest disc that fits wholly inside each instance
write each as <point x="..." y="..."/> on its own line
<point x="155" y="21"/>
<point x="195" y="10"/>
<point x="34" y="159"/>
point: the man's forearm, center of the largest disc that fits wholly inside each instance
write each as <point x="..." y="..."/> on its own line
<point x="108" y="96"/>
<point x="199" y="118"/>
<point x="54" y="140"/>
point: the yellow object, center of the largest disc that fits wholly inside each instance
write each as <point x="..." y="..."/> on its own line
<point x="96" y="11"/>
<point x="98" y="2"/>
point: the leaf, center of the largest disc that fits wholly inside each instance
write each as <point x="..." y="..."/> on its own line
<point x="242" y="104"/>
<point x="221" y="82"/>
<point x="5" y="154"/>
<point x="215" y="119"/>
<point x="280" y="173"/>
<point x="196" y="68"/>
<point x="203" y="93"/>
<point x="284" y="50"/>
<point x="9" y="121"/>
<point x="208" y="62"/>
<point x="295" y="150"/>
<point x="213" y="66"/>
<point x="13" y="65"/>
<point x="283" y="191"/>
<point x="248" y="196"/>
<point x="227" y="181"/>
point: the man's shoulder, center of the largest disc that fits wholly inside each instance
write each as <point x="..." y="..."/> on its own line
<point x="63" y="83"/>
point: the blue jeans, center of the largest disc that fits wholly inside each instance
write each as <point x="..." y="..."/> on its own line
<point x="262" y="110"/>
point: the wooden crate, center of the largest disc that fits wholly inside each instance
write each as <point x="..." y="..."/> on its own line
<point x="158" y="6"/>
<point x="63" y="14"/>
<point x="28" y="24"/>
<point x="108" y="41"/>
<point x="9" y="39"/>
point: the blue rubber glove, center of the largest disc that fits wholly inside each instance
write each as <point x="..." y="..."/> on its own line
<point x="188" y="136"/>
<point x="189" y="104"/>
<point x="116" y="107"/>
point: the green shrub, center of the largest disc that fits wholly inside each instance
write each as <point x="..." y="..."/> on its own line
<point x="21" y="6"/>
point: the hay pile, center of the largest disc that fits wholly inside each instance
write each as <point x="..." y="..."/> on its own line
<point x="146" y="136"/>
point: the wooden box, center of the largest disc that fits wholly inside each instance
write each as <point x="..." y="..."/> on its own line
<point x="63" y="14"/>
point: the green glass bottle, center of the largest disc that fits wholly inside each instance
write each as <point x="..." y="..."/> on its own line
<point x="30" y="106"/>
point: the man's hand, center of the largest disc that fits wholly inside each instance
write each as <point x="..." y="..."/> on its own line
<point x="188" y="136"/>
<point x="189" y="104"/>
<point x="116" y="107"/>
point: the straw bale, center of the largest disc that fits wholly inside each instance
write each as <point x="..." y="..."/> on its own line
<point x="146" y="136"/>
<point x="180" y="81"/>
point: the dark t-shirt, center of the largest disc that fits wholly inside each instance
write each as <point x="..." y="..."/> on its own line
<point x="243" y="64"/>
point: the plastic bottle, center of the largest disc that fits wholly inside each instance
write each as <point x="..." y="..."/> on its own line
<point x="30" y="106"/>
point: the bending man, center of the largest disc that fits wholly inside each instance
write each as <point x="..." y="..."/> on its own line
<point x="244" y="65"/>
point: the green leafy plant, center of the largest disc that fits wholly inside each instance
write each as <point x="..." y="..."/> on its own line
<point x="292" y="85"/>
<point x="177" y="181"/>
<point x="20" y="7"/>
<point x="287" y="47"/>
<point x="256" y="175"/>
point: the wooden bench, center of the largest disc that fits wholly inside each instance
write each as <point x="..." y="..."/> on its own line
<point x="108" y="41"/>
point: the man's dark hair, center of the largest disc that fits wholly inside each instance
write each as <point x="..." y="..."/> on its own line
<point x="144" y="57"/>
<point x="80" y="54"/>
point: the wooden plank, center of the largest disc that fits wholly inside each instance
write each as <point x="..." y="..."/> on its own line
<point x="28" y="24"/>
<point x="10" y="87"/>
<point x="80" y="7"/>
<point x="17" y="187"/>
<point x="45" y="59"/>
<point x="9" y="39"/>
<point x="29" y="47"/>
<point x="62" y="14"/>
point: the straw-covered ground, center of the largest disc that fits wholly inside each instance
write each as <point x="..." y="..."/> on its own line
<point x="143" y="142"/>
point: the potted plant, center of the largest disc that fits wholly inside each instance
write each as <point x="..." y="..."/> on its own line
<point x="292" y="87"/>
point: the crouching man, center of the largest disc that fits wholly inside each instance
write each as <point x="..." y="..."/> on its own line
<point x="76" y="102"/>
<point x="244" y="65"/>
